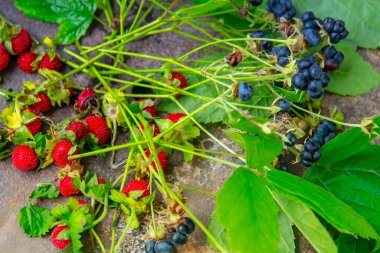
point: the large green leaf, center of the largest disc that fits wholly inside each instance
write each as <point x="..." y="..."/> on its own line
<point x="348" y="243"/>
<point x="309" y="225"/>
<point x="333" y="210"/>
<point x="286" y="244"/>
<point x="218" y="232"/>
<point x="246" y="209"/>
<point x="48" y="191"/>
<point x="361" y="17"/>
<point x="355" y="76"/>
<point x="350" y="169"/>
<point x="74" y="17"/>
<point x="34" y="220"/>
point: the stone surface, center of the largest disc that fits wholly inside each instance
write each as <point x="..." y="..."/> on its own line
<point x="15" y="186"/>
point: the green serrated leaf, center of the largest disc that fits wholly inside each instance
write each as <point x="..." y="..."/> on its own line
<point x="35" y="221"/>
<point x="333" y="210"/>
<point x="309" y="225"/>
<point x="239" y="209"/>
<point x="218" y="232"/>
<point x="355" y="76"/>
<point x="361" y="18"/>
<point x="350" y="169"/>
<point x="287" y="238"/>
<point x="74" y="17"/>
<point x="48" y="191"/>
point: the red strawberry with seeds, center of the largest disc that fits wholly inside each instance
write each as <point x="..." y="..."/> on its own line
<point x="97" y="125"/>
<point x="137" y="185"/>
<point x="25" y="62"/>
<point x="66" y="187"/>
<point x="25" y="158"/>
<point x="59" y="243"/>
<point x="86" y="97"/>
<point x="150" y="108"/>
<point x="47" y="63"/>
<point x="34" y="127"/>
<point x="79" y="128"/>
<point x="81" y="202"/>
<point x="180" y="78"/>
<point x="43" y="105"/>
<point x="4" y="58"/>
<point x="175" y="117"/>
<point x="101" y="180"/>
<point x="22" y="42"/>
<point x="156" y="130"/>
<point x="60" y="153"/>
<point x="162" y="157"/>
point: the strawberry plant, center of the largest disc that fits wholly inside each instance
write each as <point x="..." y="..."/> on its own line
<point x="262" y="77"/>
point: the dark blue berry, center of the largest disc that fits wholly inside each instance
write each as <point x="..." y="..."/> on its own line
<point x="331" y="65"/>
<point x="329" y="51"/>
<point x="179" y="238"/>
<point x="163" y="247"/>
<point x="311" y="24"/>
<point x="344" y="34"/>
<point x="292" y="139"/>
<point x="190" y="224"/>
<point x="314" y="94"/>
<point x="316" y="155"/>
<point x="339" y="57"/>
<point x="283" y="61"/>
<point x="328" y="24"/>
<point x="329" y="137"/>
<point x="306" y="16"/>
<point x="325" y="79"/>
<point x="312" y="36"/>
<point x="299" y="82"/>
<point x="330" y="125"/>
<point x="303" y="64"/>
<point x="311" y="146"/>
<point x="315" y="71"/>
<point x="318" y="139"/>
<point x="306" y="156"/>
<point x="245" y="91"/>
<point x="323" y="130"/>
<point x="305" y="73"/>
<point x="256" y="34"/>
<point x="315" y="85"/>
<point x="283" y="166"/>
<point x="290" y="13"/>
<point x="284" y="104"/>
<point x="266" y="45"/>
<point x="255" y="2"/>
<point x="339" y="26"/>
<point x="335" y="37"/>
<point x="183" y="229"/>
<point x="284" y="51"/>
<point x="149" y="246"/>
<point x="307" y="163"/>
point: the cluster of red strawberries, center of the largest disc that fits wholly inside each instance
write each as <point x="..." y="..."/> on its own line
<point x="17" y="41"/>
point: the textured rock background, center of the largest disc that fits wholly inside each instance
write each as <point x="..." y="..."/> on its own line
<point x="15" y="186"/>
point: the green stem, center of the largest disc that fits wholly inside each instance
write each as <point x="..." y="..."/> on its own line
<point x="93" y="232"/>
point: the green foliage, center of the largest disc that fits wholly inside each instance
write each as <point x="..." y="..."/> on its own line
<point x="218" y="232"/>
<point x="287" y="238"/>
<point x="355" y="76"/>
<point x="333" y="210"/>
<point x="347" y="243"/>
<point x="35" y="221"/>
<point x="350" y="169"/>
<point x="239" y="209"/>
<point x="90" y="187"/>
<point x="48" y="191"/>
<point x="361" y="17"/>
<point x="74" y="17"/>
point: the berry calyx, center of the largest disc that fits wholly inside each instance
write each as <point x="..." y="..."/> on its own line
<point x="25" y="158"/>
<point x="182" y="81"/>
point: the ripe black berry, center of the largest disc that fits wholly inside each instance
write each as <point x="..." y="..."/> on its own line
<point x="149" y="246"/>
<point x="264" y="45"/>
<point x="179" y="238"/>
<point x="299" y="82"/>
<point x="245" y="91"/>
<point x="329" y="137"/>
<point x="282" y="166"/>
<point x="282" y="61"/>
<point x="292" y="139"/>
<point x="333" y="58"/>
<point x="163" y="247"/>
<point x="190" y="224"/>
<point x="311" y="146"/>
<point x="335" y="29"/>
<point x="323" y="130"/>
<point x="331" y="125"/>
<point x="183" y="229"/>
<point x="255" y="2"/>
<point x="306" y="16"/>
<point x="281" y="8"/>
<point x="284" y="104"/>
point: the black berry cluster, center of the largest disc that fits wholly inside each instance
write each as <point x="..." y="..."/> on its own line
<point x="282" y="9"/>
<point x="310" y="77"/>
<point x="177" y="237"/>
<point x="281" y="164"/>
<point x="336" y="29"/>
<point x="255" y="2"/>
<point x="264" y="45"/>
<point x="324" y="133"/>
<point x="283" y="54"/>
<point x="245" y="91"/>
<point x="311" y="28"/>
<point x="284" y="104"/>
<point x="292" y="139"/>
<point x="333" y="58"/>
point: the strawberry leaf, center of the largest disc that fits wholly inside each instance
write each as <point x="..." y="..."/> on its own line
<point x="74" y="17"/>
<point x="35" y="221"/>
<point x="48" y="191"/>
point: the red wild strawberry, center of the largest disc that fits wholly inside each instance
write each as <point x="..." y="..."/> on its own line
<point x="101" y="180"/>
<point x="47" y="63"/>
<point x="61" y="152"/>
<point x="22" y="42"/>
<point x="66" y="187"/>
<point x="79" y="128"/>
<point x="156" y="131"/>
<point x="24" y="158"/>
<point x="81" y="202"/>
<point x="25" y="62"/>
<point x="162" y="157"/>
<point x="34" y="127"/>
<point x="43" y="105"/>
<point x="86" y="97"/>
<point x="137" y="185"/>
<point x="151" y="109"/>
<point x="59" y="243"/>
<point x="97" y="125"/>
<point x="175" y="117"/>
<point x="180" y="78"/>
<point x="4" y="58"/>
